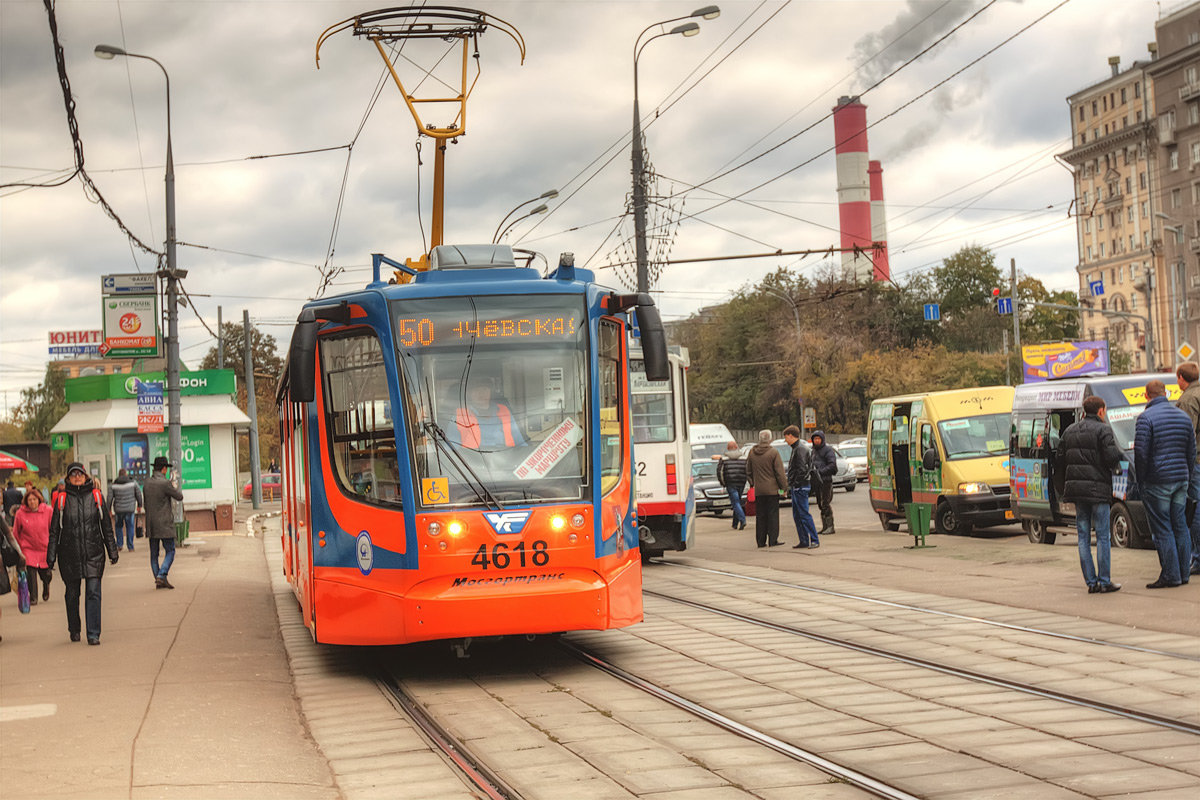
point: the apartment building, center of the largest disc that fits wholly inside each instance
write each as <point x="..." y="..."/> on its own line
<point x="1114" y="161"/>
<point x="1175" y="76"/>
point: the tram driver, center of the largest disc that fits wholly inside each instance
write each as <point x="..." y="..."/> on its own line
<point x="485" y="424"/>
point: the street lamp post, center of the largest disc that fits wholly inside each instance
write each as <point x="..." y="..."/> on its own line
<point x="547" y="195"/>
<point x="172" y="274"/>
<point x="639" y="168"/>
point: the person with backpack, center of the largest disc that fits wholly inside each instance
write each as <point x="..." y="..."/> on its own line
<point x="81" y="535"/>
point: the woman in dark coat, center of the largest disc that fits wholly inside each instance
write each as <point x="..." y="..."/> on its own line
<point x="81" y="535"/>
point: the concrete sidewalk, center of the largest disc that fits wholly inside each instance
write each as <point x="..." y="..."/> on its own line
<point x="188" y="695"/>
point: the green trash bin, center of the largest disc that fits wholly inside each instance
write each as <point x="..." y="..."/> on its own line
<point x="181" y="531"/>
<point x="919" y="515"/>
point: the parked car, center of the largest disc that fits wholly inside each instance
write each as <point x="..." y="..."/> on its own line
<point x="711" y="496"/>
<point x="855" y="451"/>
<point x="846" y="476"/>
<point x="271" y="486"/>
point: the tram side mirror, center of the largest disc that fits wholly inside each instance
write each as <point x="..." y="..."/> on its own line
<point x="302" y="358"/>
<point x="654" y="340"/>
<point x="930" y="460"/>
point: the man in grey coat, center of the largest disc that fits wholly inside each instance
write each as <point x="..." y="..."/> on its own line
<point x="124" y="501"/>
<point x="160" y="520"/>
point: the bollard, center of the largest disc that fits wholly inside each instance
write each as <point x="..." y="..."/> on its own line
<point x="919" y="515"/>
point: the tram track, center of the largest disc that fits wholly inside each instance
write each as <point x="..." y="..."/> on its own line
<point x="972" y="675"/>
<point x="469" y="767"/>
<point x="932" y="611"/>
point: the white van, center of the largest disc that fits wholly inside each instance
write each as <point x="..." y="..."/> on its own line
<point x="708" y="439"/>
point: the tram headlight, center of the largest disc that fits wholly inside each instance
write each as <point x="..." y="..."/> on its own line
<point x="456" y="528"/>
<point x="434" y="529"/>
<point x="577" y="521"/>
<point x="558" y="522"/>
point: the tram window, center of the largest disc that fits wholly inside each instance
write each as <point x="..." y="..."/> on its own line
<point x="609" y="353"/>
<point x="652" y="406"/>
<point x="358" y="404"/>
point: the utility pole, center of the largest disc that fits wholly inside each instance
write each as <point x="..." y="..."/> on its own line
<point x="1012" y="282"/>
<point x="252" y="411"/>
<point x="220" y="342"/>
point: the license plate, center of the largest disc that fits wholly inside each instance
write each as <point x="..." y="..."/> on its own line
<point x="1009" y="514"/>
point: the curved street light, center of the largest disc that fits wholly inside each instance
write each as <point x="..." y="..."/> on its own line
<point x="639" y="169"/>
<point x="107" y="52"/>
<point x="547" y="195"/>
<point x="532" y="213"/>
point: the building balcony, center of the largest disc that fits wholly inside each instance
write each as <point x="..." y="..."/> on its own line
<point x="1189" y="91"/>
<point x="1194" y="244"/>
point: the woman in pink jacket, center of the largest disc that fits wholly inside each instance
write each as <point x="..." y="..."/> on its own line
<point x="31" y="528"/>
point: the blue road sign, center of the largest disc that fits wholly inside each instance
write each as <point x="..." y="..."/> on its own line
<point x="1096" y="287"/>
<point x="1004" y="305"/>
<point x="933" y="312"/>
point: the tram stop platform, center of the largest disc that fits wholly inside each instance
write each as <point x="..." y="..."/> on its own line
<point x="189" y="693"/>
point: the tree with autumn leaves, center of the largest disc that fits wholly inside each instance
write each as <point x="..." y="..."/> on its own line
<point x="751" y="368"/>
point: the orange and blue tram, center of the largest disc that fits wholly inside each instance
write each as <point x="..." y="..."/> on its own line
<point x="457" y="453"/>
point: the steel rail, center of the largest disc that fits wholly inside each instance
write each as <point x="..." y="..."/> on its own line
<point x="951" y="614"/>
<point x="851" y="776"/>
<point x="478" y="774"/>
<point x="979" y="677"/>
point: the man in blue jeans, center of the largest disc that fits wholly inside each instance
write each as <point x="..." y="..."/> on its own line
<point x="1165" y="456"/>
<point x="1090" y="453"/>
<point x="1188" y="375"/>
<point x="124" y="501"/>
<point x="799" y="475"/>
<point x="731" y="473"/>
<point x="160" y="520"/>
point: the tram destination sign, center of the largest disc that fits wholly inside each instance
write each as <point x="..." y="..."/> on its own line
<point x="429" y="325"/>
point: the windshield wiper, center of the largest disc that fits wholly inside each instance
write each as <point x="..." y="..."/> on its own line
<point x="443" y="444"/>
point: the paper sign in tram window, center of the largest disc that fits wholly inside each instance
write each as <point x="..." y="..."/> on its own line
<point x="435" y="491"/>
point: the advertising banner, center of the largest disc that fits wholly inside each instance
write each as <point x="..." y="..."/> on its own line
<point x="138" y="450"/>
<point x="1043" y="362"/>
<point x="150" y="406"/>
<point x="76" y="344"/>
<point x="130" y="326"/>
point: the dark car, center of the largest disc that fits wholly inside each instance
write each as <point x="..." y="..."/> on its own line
<point x="711" y="496"/>
<point x="271" y="486"/>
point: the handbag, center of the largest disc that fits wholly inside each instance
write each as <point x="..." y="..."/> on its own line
<point x="750" y="495"/>
<point x="22" y="592"/>
<point x="7" y="552"/>
<point x="139" y="532"/>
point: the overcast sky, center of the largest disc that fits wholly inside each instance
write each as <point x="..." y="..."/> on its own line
<point x="968" y="163"/>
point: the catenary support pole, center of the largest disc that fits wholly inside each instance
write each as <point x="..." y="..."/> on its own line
<point x="252" y="411"/>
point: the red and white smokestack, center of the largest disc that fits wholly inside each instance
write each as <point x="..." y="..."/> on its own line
<point x="853" y="186"/>
<point x="883" y="272"/>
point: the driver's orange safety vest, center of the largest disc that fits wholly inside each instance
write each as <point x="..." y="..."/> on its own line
<point x="469" y="431"/>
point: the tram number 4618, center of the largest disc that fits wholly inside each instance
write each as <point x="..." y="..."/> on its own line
<point x="502" y="556"/>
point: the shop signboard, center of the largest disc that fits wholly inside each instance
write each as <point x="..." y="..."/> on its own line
<point x="124" y="387"/>
<point x="60" y="441"/>
<point x="76" y="344"/>
<point x="130" y="326"/>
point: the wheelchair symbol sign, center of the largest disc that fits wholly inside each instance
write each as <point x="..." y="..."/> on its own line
<point x="435" y="491"/>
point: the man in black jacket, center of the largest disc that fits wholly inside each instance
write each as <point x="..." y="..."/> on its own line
<point x="825" y="467"/>
<point x="1090" y="454"/>
<point x="799" y="475"/>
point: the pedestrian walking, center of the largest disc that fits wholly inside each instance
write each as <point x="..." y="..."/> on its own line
<point x="825" y="467"/>
<point x="32" y="530"/>
<point x="80" y="536"/>
<point x="12" y="501"/>
<point x="1090" y="454"/>
<point x="731" y="473"/>
<point x="124" y="502"/>
<point x="1164" y="448"/>
<point x="1188" y="376"/>
<point x="764" y="472"/>
<point x="799" y="477"/>
<point x="160" y="520"/>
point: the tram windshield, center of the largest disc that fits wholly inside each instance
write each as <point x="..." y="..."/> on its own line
<point x="496" y="388"/>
